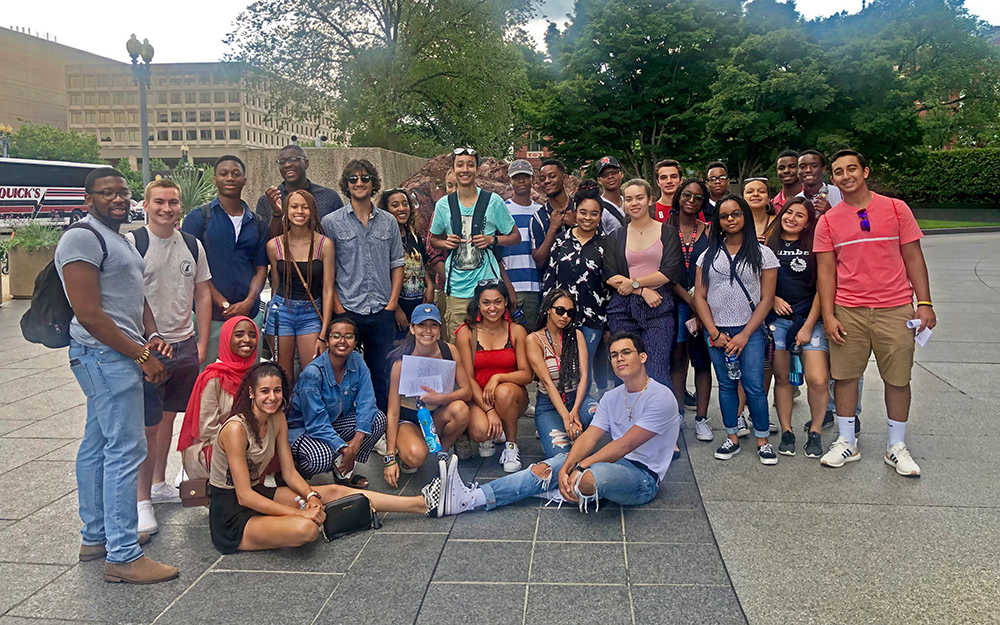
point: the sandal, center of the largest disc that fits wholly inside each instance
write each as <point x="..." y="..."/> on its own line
<point x="355" y="481"/>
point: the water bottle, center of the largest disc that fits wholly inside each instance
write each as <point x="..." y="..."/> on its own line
<point x="733" y="367"/>
<point x="795" y="365"/>
<point x="427" y="427"/>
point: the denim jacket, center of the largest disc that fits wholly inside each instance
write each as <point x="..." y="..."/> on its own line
<point x="318" y="400"/>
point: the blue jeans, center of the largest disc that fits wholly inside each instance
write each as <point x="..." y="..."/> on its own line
<point x="621" y="482"/>
<point x="113" y="447"/>
<point x="592" y="337"/>
<point x="752" y="368"/>
<point x="550" y="425"/>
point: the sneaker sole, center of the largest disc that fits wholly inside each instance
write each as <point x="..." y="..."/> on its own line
<point x="768" y="461"/>
<point x="705" y="437"/>
<point x="893" y="465"/>
<point x="786" y="453"/>
<point x="157" y="500"/>
<point x="809" y="455"/>
<point x="487" y="455"/>
<point x="742" y="433"/>
<point x="719" y="456"/>
<point x="443" y="475"/>
<point x="853" y="458"/>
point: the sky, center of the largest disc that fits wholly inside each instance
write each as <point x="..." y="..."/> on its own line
<point x="185" y="31"/>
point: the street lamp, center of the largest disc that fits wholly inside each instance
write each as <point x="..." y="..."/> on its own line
<point x="185" y="160"/>
<point x="5" y="133"/>
<point x="141" y="74"/>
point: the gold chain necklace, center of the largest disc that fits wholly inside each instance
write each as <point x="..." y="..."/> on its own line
<point x="632" y="407"/>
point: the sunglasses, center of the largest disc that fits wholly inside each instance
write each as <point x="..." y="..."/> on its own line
<point x="489" y="282"/>
<point x="464" y="150"/>
<point x="291" y="159"/>
<point x="365" y="178"/>
<point x="736" y="214"/>
<point x="764" y="180"/>
<point x="718" y="178"/>
<point x="865" y="224"/>
<point x="687" y="195"/>
<point x="562" y="311"/>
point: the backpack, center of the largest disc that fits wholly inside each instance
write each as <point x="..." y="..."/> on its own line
<point x="206" y="216"/>
<point x="47" y="320"/>
<point x="142" y="242"/>
<point x="468" y="257"/>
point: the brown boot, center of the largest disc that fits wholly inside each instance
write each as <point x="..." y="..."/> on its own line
<point x="97" y="552"/>
<point x="141" y="571"/>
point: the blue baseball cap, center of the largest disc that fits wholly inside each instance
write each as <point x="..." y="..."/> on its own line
<point x="423" y="312"/>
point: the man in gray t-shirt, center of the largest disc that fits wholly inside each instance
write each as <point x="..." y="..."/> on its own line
<point x="112" y="338"/>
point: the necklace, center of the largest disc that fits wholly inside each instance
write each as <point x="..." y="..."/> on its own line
<point x="632" y="407"/>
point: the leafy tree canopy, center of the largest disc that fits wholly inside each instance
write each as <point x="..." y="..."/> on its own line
<point x="49" y="143"/>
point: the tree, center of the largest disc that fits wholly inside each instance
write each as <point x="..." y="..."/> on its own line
<point x="49" y="143"/>
<point x="397" y="73"/>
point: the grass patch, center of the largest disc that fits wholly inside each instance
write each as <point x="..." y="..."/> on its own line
<point x="933" y="224"/>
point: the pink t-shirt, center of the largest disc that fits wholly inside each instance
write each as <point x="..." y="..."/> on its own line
<point x="870" y="269"/>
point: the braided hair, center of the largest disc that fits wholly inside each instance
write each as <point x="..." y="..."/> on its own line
<point x="314" y="226"/>
<point x="569" y="360"/>
<point x="243" y="403"/>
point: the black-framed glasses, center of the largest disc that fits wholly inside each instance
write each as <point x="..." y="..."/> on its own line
<point x="365" y="178"/>
<point x="736" y="214"/>
<point x="562" y="311"/>
<point x="291" y="159"/>
<point x="718" y="178"/>
<point x="687" y="195"/>
<point x="865" y="224"/>
<point x="465" y="149"/>
<point x="336" y="336"/>
<point x="110" y="194"/>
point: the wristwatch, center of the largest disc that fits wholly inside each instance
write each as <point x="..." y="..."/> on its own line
<point x="635" y="284"/>
<point x="225" y="305"/>
<point x="156" y="335"/>
<point x="389" y="459"/>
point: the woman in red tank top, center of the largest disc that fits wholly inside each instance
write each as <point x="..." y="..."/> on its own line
<point x="493" y="354"/>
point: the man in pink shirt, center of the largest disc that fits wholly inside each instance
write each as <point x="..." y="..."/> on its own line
<point x="869" y="266"/>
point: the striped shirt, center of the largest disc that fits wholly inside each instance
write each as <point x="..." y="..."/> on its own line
<point x="517" y="260"/>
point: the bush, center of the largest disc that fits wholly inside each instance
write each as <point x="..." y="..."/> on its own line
<point x="32" y="237"/>
<point x="966" y="177"/>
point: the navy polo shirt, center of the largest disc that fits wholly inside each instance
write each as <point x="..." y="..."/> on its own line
<point x="233" y="262"/>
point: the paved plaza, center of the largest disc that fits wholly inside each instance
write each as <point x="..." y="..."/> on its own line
<point x="731" y="542"/>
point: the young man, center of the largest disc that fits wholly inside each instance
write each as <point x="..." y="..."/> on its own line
<point x="668" y="179"/>
<point x="517" y="260"/>
<point x="717" y="178"/>
<point x="369" y="268"/>
<point x="812" y="169"/>
<point x="559" y="211"/>
<point x="176" y="274"/>
<point x="641" y="417"/>
<point x="869" y="266"/>
<point x="470" y="259"/>
<point x="292" y="166"/>
<point x="235" y="243"/>
<point x="787" y="165"/>
<point x="609" y="175"/>
<point x="112" y="341"/>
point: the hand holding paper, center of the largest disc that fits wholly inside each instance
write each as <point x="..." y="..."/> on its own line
<point x="923" y="335"/>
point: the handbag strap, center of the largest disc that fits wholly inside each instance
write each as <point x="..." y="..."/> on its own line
<point x="736" y="275"/>
<point x="308" y="291"/>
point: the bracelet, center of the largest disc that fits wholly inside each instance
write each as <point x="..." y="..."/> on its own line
<point x="924" y="303"/>
<point x="717" y="337"/>
<point x="392" y="463"/>
<point x="144" y="357"/>
<point x="156" y="335"/>
<point x="313" y="494"/>
<point x="322" y="339"/>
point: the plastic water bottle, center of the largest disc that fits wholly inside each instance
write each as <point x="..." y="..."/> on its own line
<point x="733" y="367"/>
<point x="427" y="427"/>
<point x="795" y="365"/>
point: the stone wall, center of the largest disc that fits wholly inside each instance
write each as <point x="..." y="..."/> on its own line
<point x="325" y="167"/>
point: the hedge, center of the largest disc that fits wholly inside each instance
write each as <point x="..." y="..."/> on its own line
<point x="969" y="177"/>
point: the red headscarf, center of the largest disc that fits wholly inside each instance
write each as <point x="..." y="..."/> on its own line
<point x="229" y="368"/>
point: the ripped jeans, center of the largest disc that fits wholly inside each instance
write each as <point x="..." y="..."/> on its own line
<point x="622" y="482"/>
<point x="550" y="425"/>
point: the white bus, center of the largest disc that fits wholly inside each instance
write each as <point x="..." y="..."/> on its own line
<point x="46" y="191"/>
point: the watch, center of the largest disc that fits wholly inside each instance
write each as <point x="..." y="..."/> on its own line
<point x="225" y="305"/>
<point x="389" y="459"/>
<point x="156" y="335"/>
<point x="635" y="284"/>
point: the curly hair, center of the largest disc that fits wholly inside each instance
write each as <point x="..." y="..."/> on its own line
<point x="286" y="224"/>
<point x="243" y="402"/>
<point x="472" y="311"/>
<point x="569" y="360"/>
<point x="360" y="164"/>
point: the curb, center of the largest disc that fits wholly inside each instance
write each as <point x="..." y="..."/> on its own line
<point x="972" y="230"/>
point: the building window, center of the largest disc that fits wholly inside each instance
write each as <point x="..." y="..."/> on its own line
<point x="74" y="81"/>
<point x="205" y="116"/>
<point x="220" y="97"/>
<point x="161" y="98"/>
<point x="162" y="81"/>
<point x="175" y="117"/>
<point x="89" y="81"/>
<point x="175" y="135"/>
<point x="190" y="97"/>
<point x="162" y="135"/>
<point x="219" y="78"/>
<point x="119" y="117"/>
<point x="234" y="97"/>
<point x="133" y="117"/>
<point x="120" y="136"/>
<point x="119" y="99"/>
<point x="133" y="99"/>
<point x="104" y="134"/>
<point x="175" y="80"/>
<point x="175" y="98"/>
<point x="234" y="116"/>
<point x="133" y="136"/>
<point x="206" y="135"/>
<point x="205" y="97"/>
<point x="204" y="79"/>
<point x="191" y="116"/>
<point x="76" y="118"/>
<point x="104" y="99"/>
<point x="192" y="135"/>
<point x="220" y="135"/>
<point x="234" y="134"/>
<point x="90" y="99"/>
<point x="220" y="116"/>
<point x="189" y="80"/>
<point x="91" y="118"/>
<point x="118" y="81"/>
<point x="102" y="81"/>
<point x="105" y="117"/>
<point x="161" y="117"/>
<point x="75" y="99"/>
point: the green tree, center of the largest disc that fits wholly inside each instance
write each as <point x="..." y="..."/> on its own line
<point x="49" y="143"/>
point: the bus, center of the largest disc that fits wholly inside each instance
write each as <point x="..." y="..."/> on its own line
<point x="46" y="191"/>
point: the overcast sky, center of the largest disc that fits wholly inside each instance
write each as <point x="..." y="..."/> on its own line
<point x="192" y="30"/>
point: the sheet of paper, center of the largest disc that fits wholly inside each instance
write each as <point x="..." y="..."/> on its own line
<point x="434" y="373"/>
<point x="923" y="336"/>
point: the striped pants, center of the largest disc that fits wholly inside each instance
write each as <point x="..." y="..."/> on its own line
<point x="312" y="456"/>
<point x="656" y="326"/>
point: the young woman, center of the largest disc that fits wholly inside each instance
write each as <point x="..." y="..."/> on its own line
<point x="404" y="438"/>
<point x="492" y="351"/>
<point x="734" y="291"/>
<point x="797" y="319"/>
<point x="689" y="202"/>
<point x="643" y="259"/>
<point x="418" y="277"/>
<point x="245" y="515"/>
<point x="558" y="356"/>
<point x="758" y="198"/>
<point x="292" y="316"/>
<point x="212" y="396"/>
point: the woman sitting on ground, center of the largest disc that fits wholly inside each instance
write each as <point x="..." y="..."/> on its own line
<point x="244" y="514"/>
<point x="404" y="438"/>
<point x="558" y="355"/>
<point x="493" y="354"/>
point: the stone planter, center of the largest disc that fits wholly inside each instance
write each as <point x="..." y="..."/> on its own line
<point x="25" y="267"/>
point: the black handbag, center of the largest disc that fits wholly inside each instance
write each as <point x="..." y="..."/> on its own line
<point x="348" y="515"/>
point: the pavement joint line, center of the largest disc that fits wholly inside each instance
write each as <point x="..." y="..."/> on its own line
<point x="188" y="589"/>
<point x="332" y="592"/>
<point x="437" y="562"/>
<point x="852" y="503"/>
<point x="470" y="583"/>
<point x="274" y="572"/>
<point x="628" y="577"/>
<point x="683" y="585"/>
<point x="43" y="586"/>
<point x="531" y="562"/>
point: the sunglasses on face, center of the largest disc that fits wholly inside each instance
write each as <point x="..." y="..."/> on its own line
<point x="865" y="224"/>
<point x="718" y="178"/>
<point x="291" y="159"/>
<point x="687" y="195"/>
<point x="736" y="214"/>
<point x="365" y="178"/>
<point x="562" y="311"/>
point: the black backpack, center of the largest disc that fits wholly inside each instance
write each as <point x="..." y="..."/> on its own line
<point x="46" y="322"/>
<point x="142" y="242"/>
<point x="206" y="217"/>
<point x="478" y="224"/>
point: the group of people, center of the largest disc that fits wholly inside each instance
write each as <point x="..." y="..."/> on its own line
<point x="601" y="300"/>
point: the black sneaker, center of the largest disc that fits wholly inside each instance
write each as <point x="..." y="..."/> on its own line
<point x="787" y="446"/>
<point x="727" y="450"/>
<point x="690" y="400"/>
<point x="828" y="421"/>
<point x="766" y="454"/>
<point x="814" y="446"/>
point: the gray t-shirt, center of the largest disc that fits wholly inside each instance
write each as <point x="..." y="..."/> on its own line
<point x="727" y="300"/>
<point x="120" y="281"/>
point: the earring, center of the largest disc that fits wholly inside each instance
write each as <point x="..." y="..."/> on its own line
<point x="479" y="316"/>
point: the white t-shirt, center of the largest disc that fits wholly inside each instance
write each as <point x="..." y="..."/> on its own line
<point x="729" y="304"/>
<point x="609" y="222"/>
<point x="655" y="411"/>
<point x="833" y="194"/>
<point x="169" y="279"/>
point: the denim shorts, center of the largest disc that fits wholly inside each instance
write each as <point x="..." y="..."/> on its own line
<point x="818" y="342"/>
<point x="294" y="317"/>
<point x="683" y="314"/>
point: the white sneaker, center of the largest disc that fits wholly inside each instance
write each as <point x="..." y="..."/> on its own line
<point x="380" y="447"/>
<point x="529" y="412"/>
<point x="458" y="498"/>
<point x="742" y="429"/>
<point x="147" y="520"/>
<point x="181" y="476"/>
<point x="702" y="430"/>
<point x="487" y="449"/>
<point x="840" y="452"/>
<point x="164" y="493"/>
<point x="511" y="458"/>
<point x="898" y="457"/>
<point x="407" y="469"/>
<point x="464" y="447"/>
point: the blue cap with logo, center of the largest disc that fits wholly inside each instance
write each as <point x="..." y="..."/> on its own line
<point x="423" y="312"/>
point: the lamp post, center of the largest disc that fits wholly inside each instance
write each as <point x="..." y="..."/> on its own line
<point x="5" y="133"/>
<point x="141" y="76"/>
<point x="185" y="158"/>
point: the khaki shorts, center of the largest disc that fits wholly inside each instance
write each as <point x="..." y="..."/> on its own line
<point x="454" y="315"/>
<point x="879" y="330"/>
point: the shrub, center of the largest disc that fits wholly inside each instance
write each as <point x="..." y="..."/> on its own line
<point x="947" y="177"/>
<point x="33" y="236"/>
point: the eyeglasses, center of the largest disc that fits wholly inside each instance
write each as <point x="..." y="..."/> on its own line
<point x="291" y="159"/>
<point x="110" y="194"/>
<point x="736" y="214"/>
<point x="464" y="150"/>
<point x="718" y="178"/>
<point x="865" y="224"/>
<point x="336" y="336"/>
<point x="365" y="178"/>
<point x="625" y="353"/>
<point x="687" y="195"/>
<point x="562" y="311"/>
